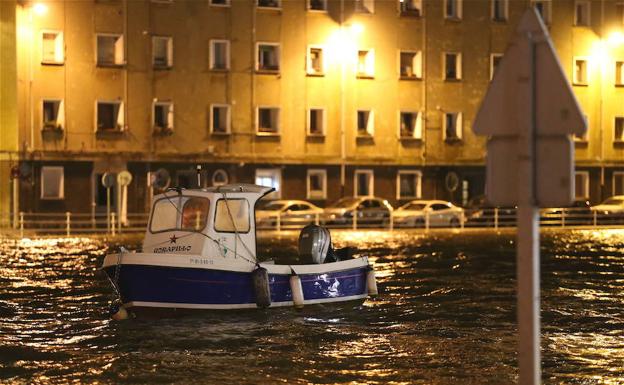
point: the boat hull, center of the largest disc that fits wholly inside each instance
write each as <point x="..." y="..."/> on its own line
<point x="153" y="285"/>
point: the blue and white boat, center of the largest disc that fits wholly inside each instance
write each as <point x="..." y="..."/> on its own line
<point x="199" y="252"/>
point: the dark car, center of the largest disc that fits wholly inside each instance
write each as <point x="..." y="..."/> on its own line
<point x="578" y="213"/>
<point x="480" y="214"/>
<point x="370" y="211"/>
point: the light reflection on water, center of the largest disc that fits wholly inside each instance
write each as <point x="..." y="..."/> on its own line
<point x="446" y="315"/>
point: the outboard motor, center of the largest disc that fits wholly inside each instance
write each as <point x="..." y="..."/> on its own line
<point x="315" y="246"/>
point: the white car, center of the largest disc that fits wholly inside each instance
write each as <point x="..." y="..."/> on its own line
<point x="611" y="209"/>
<point x="290" y="213"/>
<point x="438" y="213"/>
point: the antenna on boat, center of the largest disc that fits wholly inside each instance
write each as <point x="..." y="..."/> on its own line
<point x="199" y="176"/>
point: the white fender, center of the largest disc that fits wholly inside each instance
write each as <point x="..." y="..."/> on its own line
<point x="121" y="314"/>
<point x="371" y="282"/>
<point x="297" y="291"/>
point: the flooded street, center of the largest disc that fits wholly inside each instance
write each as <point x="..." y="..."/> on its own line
<point x="445" y="315"/>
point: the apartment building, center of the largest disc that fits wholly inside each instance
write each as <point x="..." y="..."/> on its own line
<point x="318" y="98"/>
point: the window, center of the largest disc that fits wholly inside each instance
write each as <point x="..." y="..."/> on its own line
<point x="267" y="57"/>
<point x="316" y="61"/>
<point x="453" y="9"/>
<point x="52" y="49"/>
<point x="618" y="125"/>
<point x="583" y="137"/>
<point x="219" y="54"/>
<point x="495" y="59"/>
<point x="162" y="52"/>
<point x="162" y="117"/>
<point x="581" y="184"/>
<point x="365" y="123"/>
<point x="317" y="184"/>
<point x="364" y="183"/>
<point x="53" y="115"/>
<point x="220" y="3"/>
<point x="619" y="73"/>
<point x="110" y="50"/>
<point x="269" y="3"/>
<point x="543" y="8"/>
<point x="410" y="65"/>
<point x="317" y="5"/>
<point x="582" y="13"/>
<point x="194" y="214"/>
<point x="452" y="126"/>
<point x="220" y="178"/>
<point x="316" y="122"/>
<point x="366" y="63"/>
<point x="364" y="6"/>
<point x="410" y="125"/>
<point x="267" y="121"/>
<point x="452" y="66"/>
<point x="618" y="183"/>
<point x="220" y="119"/>
<point x="409" y="184"/>
<point x="232" y="215"/>
<point x="52" y="183"/>
<point x="579" y="76"/>
<point x="500" y="9"/>
<point x="410" y="7"/>
<point x="270" y="177"/>
<point x="110" y="116"/>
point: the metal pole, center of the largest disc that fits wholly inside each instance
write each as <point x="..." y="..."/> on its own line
<point x="108" y="209"/>
<point x="21" y="224"/>
<point x="528" y="270"/>
<point x="113" y="221"/>
<point x="67" y="223"/>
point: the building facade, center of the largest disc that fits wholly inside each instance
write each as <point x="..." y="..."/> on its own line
<point x="318" y="98"/>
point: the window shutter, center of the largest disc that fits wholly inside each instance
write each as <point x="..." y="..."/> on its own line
<point x="170" y="52"/>
<point x="120" y="117"/>
<point x="59" y="48"/>
<point x="458" y="65"/>
<point x="170" y="116"/>
<point x="459" y="124"/>
<point x="60" y="117"/>
<point x="418" y="128"/>
<point x="417" y="64"/>
<point x="370" y="124"/>
<point x="119" y="50"/>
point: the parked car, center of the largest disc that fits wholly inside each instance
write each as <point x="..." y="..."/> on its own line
<point x="489" y="216"/>
<point x="578" y="213"/>
<point x="290" y="213"/>
<point x="438" y="213"/>
<point x="370" y="211"/>
<point x="611" y="210"/>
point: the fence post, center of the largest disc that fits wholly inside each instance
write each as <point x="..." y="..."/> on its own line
<point x="426" y="221"/>
<point x="67" y="223"/>
<point x="113" y="223"/>
<point x="21" y="224"/>
<point x="279" y="221"/>
<point x="462" y="219"/>
<point x="563" y="214"/>
<point x="496" y="218"/>
<point x="595" y="218"/>
<point x="316" y="219"/>
<point x="355" y="219"/>
<point x="391" y="222"/>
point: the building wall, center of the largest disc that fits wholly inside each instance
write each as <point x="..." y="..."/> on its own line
<point x="192" y="87"/>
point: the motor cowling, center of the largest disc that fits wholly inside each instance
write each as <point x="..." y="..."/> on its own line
<point x="315" y="245"/>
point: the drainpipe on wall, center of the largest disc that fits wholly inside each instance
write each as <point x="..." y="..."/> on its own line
<point x="343" y="149"/>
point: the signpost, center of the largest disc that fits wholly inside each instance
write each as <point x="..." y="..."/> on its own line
<point x="108" y="181"/>
<point x="529" y="113"/>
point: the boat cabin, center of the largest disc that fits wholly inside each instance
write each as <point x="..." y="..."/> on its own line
<point x="210" y="222"/>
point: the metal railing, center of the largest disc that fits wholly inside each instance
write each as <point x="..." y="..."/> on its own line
<point x="68" y="223"/>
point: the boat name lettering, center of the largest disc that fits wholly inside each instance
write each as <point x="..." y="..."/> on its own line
<point x="172" y="249"/>
<point x="201" y="261"/>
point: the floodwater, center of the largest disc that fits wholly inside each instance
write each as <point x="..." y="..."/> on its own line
<point x="446" y="315"/>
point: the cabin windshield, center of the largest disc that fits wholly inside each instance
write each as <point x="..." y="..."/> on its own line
<point x="186" y="213"/>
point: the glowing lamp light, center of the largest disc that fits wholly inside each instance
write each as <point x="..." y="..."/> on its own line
<point x="599" y="52"/>
<point x="616" y="38"/>
<point x="40" y="9"/>
<point x="357" y="28"/>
